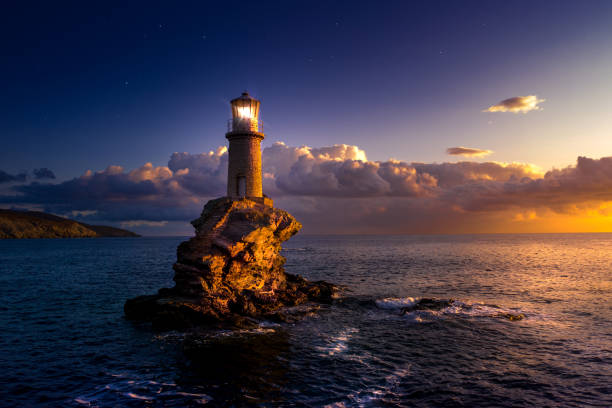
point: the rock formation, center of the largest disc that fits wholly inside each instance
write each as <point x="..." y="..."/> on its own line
<point x="231" y="270"/>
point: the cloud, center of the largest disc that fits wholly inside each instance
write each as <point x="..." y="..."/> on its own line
<point x="9" y="178"/>
<point x="148" y="192"/>
<point x="300" y="171"/>
<point x="83" y="213"/>
<point x="202" y="174"/>
<point x="517" y="104"/>
<point x="467" y="151"/>
<point x="589" y="181"/>
<point x="43" y="173"/>
<point x="449" y="175"/>
<point x="339" y="171"/>
<point x="335" y="188"/>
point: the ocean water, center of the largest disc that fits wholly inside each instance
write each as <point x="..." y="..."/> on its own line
<point x="64" y="341"/>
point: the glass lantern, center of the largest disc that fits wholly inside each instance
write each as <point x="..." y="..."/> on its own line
<point x="245" y="113"/>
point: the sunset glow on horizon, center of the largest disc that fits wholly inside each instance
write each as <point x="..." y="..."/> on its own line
<point x="455" y="118"/>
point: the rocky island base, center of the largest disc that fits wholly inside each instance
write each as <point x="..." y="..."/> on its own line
<point x="231" y="273"/>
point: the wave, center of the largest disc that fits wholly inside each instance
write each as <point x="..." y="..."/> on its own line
<point x="395" y="303"/>
<point x="376" y="394"/>
<point x="425" y="309"/>
<point x="139" y="397"/>
<point x="337" y="344"/>
<point x="148" y="391"/>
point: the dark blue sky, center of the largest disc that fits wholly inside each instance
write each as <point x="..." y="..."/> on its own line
<point x="88" y="85"/>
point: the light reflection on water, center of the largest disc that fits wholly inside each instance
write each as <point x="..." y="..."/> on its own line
<point x="65" y="342"/>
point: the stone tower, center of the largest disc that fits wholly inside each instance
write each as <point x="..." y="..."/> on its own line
<point x="245" y="136"/>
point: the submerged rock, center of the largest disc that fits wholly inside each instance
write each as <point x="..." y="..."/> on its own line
<point x="231" y="271"/>
<point x="511" y="316"/>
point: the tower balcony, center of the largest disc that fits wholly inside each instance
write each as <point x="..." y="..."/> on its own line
<point x="237" y="125"/>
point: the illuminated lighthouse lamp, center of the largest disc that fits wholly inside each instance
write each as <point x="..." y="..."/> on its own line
<point x="245" y="114"/>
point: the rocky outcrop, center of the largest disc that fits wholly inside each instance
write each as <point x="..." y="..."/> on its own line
<point x="231" y="270"/>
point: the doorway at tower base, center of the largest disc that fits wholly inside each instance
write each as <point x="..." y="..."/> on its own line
<point x="231" y="272"/>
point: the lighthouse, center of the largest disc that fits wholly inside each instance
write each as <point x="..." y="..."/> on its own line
<point x="245" y="133"/>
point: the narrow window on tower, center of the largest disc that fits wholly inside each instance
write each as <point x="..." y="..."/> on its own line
<point x="241" y="186"/>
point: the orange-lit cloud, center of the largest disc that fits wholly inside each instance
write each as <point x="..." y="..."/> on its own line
<point x="589" y="181"/>
<point x="467" y="151"/>
<point x="517" y="104"/>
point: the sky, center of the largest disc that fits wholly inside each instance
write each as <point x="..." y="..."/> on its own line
<point x="380" y="117"/>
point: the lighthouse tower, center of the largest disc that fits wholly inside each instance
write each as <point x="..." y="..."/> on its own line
<point x="245" y="134"/>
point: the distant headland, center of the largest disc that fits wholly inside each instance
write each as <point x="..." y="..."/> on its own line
<point x="35" y="224"/>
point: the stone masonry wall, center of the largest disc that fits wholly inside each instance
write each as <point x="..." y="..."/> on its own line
<point x="245" y="160"/>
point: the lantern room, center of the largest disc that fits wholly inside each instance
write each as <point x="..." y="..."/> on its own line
<point x="245" y="114"/>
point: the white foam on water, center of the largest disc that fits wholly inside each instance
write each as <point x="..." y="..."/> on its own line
<point x="416" y="317"/>
<point x="466" y="309"/>
<point x="337" y="344"/>
<point x="479" y="309"/>
<point x="138" y="389"/>
<point x="455" y="308"/>
<point x="371" y="395"/>
<point x="396" y="303"/>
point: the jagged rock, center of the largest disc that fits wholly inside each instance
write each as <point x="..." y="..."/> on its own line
<point x="231" y="271"/>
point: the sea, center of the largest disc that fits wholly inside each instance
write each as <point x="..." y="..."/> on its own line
<point x="524" y="321"/>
